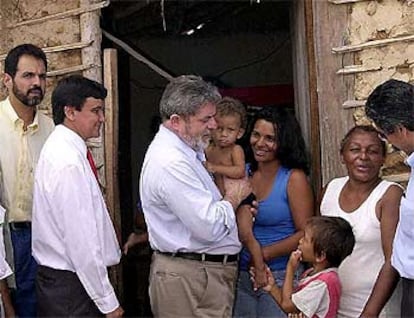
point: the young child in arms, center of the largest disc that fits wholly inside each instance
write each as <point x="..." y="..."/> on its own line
<point x="226" y="159"/>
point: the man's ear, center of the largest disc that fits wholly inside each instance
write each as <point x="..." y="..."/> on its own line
<point x="69" y="112"/>
<point x="175" y="121"/>
<point x="8" y="81"/>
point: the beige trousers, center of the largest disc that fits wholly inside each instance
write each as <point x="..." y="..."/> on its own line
<point x="187" y="288"/>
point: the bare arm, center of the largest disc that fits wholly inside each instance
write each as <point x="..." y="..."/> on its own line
<point x="301" y="203"/>
<point x="283" y="296"/>
<point x="388" y="213"/>
<point x="5" y="295"/>
<point x="245" y="227"/>
<point x="236" y="170"/>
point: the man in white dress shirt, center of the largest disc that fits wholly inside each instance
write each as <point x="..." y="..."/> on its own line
<point x="191" y="227"/>
<point x="73" y="237"/>
<point x="391" y="107"/>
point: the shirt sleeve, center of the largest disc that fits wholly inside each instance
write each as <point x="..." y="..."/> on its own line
<point x="5" y="269"/>
<point x="183" y="191"/>
<point x="312" y="299"/>
<point x="74" y="198"/>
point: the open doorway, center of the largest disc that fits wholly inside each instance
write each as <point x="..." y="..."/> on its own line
<point x="246" y="48"/>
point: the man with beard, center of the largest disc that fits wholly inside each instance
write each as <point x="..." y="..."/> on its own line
<point x="191" y="227"/>
<point x="23" y="130"/>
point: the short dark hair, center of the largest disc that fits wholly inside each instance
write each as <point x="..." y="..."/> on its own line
<point x="333" y="236"/>
<point x="13" y="57"/>
<point x="392" y="104"/>
<point x="366" y="129"/>
<point x="290" y="149"/>
<point x="73" y="91"/>
<point x="229" y="106"/>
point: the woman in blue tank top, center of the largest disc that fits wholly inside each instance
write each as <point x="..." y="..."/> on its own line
<point x="277" y="171"/>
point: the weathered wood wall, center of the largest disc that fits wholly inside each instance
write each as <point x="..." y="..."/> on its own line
<point x="359" y="44"/>
<point x="69" y="33"/>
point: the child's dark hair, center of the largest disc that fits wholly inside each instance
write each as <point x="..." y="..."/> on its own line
<point x="229" y="106"/>
<point x="332" y="236"/>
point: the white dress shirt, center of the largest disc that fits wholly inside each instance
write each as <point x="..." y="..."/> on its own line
<point x="71" y="226"/>
<point x="403" y="252"/>
<point x="183" y="208"/>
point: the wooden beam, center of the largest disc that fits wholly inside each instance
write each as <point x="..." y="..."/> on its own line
<point x="315" y="148"/>
<point x="370" y="44"/>
<point x="62" y="15"/>
<point x="345" y="1"/>
<point x="353" y="69"/>
<point x="353" y="104"/>
<point x="111" y="151"/>
<point x="72" y="69"/>
<point x="59" y="48"/>
<point x="138" y="56"/>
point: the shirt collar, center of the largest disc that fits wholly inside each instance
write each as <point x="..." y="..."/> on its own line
<point x="17" y="121"/>
<point x="178" y="142"/>
<point x="73" y="137"/>
<point x="410" y="160"/>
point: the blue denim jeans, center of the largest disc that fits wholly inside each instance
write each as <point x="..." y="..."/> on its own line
<point x="255" y="304"/>
<point x="25" y="267"/>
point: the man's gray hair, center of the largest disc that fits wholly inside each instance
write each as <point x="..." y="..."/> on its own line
<point x="185" y="95"/>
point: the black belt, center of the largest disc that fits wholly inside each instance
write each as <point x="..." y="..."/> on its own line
<point x="202" y="257"/>
<point x="15" y="226"/>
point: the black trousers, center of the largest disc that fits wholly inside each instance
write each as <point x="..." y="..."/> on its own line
<point x="407" y="302"/>
<point x="61" y="294"/>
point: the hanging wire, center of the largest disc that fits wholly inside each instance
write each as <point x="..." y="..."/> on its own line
<point x="164" y="24"/>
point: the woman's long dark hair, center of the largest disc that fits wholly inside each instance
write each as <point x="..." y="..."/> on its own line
<point x="290" y="149"/>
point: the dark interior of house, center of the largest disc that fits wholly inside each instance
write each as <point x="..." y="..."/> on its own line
<point x="243" y="47"/>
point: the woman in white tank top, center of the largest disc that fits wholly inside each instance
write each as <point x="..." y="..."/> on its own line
<point x="371" y="206"/>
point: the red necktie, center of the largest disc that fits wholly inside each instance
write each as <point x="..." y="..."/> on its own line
<point x="92" y="163"/>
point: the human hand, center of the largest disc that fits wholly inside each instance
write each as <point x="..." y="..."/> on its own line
<point x="134" y="239"/>
<point x="296" y="315"/>
<point x="294" y="259"/>
<point x="119" y="312"/>
<point x="236" y="190"/>
<point x="268" y="281"/>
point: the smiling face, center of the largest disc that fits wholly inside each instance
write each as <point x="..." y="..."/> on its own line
<point x="363" y="156"/>
<point x="263" y="141"/>
<point x="228" y="130"/>
<point x="28" y="84"/>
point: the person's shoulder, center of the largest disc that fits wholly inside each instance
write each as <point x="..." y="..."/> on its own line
<point x="45" y="122"/>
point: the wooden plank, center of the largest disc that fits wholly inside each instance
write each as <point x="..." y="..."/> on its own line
<point x="111" y="151"/>
<point x="353" y="69"/>
<point x="345" y="1"/>
<point x="137" y="56"/>
<point x="329" y="23"/>
<point x="370" y="44"/>
<point x="58" y="48"/>
<point x="353" y="103"/>
<point x="62" y="15"/>
<point x="315" y="145"/>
